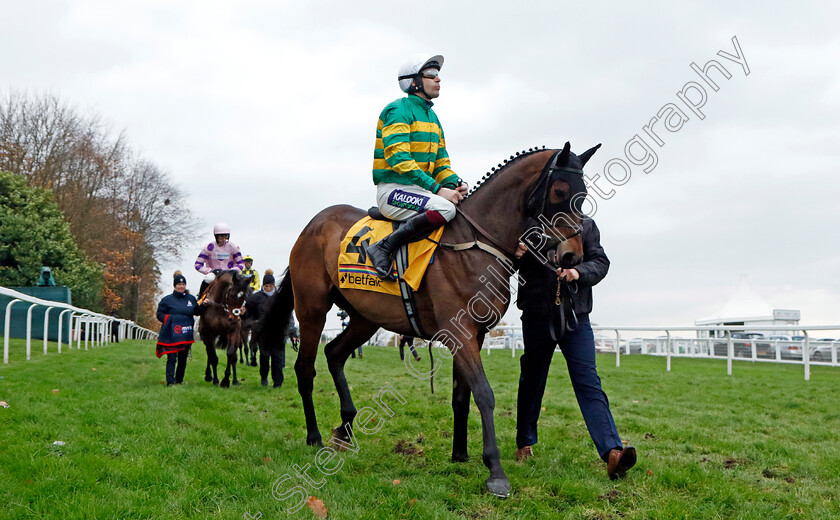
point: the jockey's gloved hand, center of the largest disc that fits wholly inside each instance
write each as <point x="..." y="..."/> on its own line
<point x="209" y="277"/>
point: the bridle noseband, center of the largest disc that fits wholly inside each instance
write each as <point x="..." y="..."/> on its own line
<point x="234" y="313"/>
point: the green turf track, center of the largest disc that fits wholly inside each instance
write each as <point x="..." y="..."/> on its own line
<point x="761" y="444"/>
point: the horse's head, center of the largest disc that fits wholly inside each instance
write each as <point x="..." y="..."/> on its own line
<point x="232" y="292"/>
<point x="556" y="201"/>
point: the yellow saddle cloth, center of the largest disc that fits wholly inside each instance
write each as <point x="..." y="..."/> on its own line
<point x="355" y="270"/>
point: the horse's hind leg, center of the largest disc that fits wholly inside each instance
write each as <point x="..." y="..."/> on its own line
<point x="310" y="335"/>
<point x="461" y="411"/>
<point x="468" y="362"/>
<point x="337" y="351"/>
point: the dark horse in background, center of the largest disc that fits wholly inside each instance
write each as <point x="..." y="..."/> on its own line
<point x="222" y="321"/>
<point x="539" y="184"/>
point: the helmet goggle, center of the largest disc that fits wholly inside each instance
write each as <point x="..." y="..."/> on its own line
<point x="430" y="73"/>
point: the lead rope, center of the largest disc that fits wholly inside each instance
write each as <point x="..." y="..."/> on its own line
<point x="431" y="367"/>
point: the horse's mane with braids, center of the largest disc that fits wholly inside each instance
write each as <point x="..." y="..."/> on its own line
<point x="502" y="166"/>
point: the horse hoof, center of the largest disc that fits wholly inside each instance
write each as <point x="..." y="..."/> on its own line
<point x="225" y="384"/>
<point x="208" y="378"/>
<point x="336" y="436"/>
<point x="315" y="442"/>
<point x="264" y="382"/>
<point x="499" y="487"/>
<point x="460" y="457"/>
<point x="236" y="383"/>
<point x="215" y="381"/>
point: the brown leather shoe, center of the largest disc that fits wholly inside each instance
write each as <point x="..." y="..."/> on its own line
<point x="619" y="461"/>
<point x="524" y="453"/>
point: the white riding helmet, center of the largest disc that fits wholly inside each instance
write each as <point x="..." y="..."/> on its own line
<point x="410" y="70"/>
<point x="221" y="228"/>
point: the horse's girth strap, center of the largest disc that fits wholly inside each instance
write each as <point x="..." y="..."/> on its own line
<point x="487" y="248"/>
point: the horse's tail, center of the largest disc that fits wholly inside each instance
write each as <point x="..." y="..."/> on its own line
<point x="274" y="324"/>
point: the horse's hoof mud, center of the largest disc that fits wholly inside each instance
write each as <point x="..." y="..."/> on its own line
<point x="499" y="487"/>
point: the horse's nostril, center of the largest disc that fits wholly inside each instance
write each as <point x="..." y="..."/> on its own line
<point x="569" y="260"/>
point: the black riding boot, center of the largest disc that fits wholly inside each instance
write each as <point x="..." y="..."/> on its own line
<point x="382" y="253"/>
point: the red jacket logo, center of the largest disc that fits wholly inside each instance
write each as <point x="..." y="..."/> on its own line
<point x="178" y="329"/>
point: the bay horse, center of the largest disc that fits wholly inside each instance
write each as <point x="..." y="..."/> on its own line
<point x="222" y="321"/>
<point x="538" y="184"/>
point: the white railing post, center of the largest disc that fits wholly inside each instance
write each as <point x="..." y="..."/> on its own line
<point x="730" y="352"/>
<point x="79" y="331"/>
<point x="29" y="330"/>
<point x="806" y="356"/>
<point x="47" y="326"/>
<point x="87" y="332"/>
<point x="6" y="330"/>
<point x="667" y="350"/>
<point x="61" y="329"/>
<point x="617" y="348"/>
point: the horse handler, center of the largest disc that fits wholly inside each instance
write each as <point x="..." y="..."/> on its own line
<point x="175" y="312"/>
<point x="271" y="358"/>
<point x="538" y="291"/>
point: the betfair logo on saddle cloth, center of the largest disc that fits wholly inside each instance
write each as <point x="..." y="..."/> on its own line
<point x="355" y="270"/>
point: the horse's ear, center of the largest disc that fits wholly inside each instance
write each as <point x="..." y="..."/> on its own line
<point x="585" y="156"/>
<point x="564" y="155"/>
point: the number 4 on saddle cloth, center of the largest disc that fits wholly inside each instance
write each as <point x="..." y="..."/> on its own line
<point x="355" y="270"/>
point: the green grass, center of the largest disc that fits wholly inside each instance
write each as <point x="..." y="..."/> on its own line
<point x="762" y="444"/>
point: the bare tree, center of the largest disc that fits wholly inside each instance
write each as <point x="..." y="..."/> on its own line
<point x="124" y="211"/>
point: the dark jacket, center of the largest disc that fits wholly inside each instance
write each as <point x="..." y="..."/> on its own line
<point x="255" y="307"/>
<point x="540" y="283"/>
<point x="175" y="312"/>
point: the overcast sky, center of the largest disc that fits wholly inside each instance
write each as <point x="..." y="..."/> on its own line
<point x="265" y="113"/>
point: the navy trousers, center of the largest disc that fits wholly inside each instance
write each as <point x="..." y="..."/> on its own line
<point x="578" y="348"/>
<point x="273" y="359"/>
<point x="176" y="376"/>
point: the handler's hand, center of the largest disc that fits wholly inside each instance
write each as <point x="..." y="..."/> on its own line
<point x="452" y="196"/>
<point x="569" y="275"/>
<point x="521" y="249"/>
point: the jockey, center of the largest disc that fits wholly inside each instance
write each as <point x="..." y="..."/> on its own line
<point x="221" y="255"/>
<point x="414" y="181"/>
<point x="247" y="270"/>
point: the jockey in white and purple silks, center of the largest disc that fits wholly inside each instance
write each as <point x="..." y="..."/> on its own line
<point x="221" y="254"/>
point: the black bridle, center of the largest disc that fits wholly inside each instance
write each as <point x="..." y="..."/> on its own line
<point x="236" y="311"/>
<point x="540" y="197"/>
<point x="538" y="203"/>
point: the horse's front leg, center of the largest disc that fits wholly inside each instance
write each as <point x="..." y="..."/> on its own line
<point x="461" y="411"/>
<point x="212" y="360"/>
<point x="238" y="342"/>
<point x="468" y="362"/>
<point x="230" y="350"/>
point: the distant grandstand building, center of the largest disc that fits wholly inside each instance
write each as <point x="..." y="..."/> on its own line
<point x="747" y="308"/>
